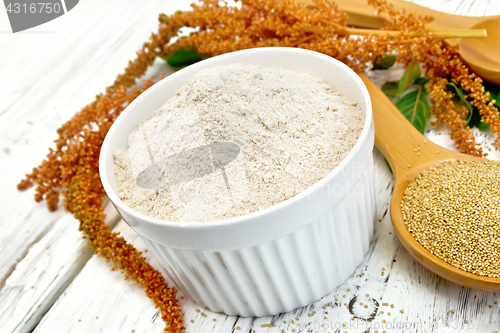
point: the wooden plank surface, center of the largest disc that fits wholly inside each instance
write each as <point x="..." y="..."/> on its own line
<point x="47" y="75"/>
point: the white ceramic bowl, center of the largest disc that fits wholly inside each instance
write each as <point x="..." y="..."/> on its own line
<point x="277" y="259"/>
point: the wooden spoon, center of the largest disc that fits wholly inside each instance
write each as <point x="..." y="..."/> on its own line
<point x="481" y="54"/>
<point x="397" y="139"/>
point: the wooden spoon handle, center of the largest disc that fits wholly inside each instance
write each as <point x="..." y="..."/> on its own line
<point x="396" y="137"/>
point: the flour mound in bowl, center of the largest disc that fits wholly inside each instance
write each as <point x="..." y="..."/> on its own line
<point x="234" y="140"/>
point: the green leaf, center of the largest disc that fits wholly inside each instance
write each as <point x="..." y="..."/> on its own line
<point x="483" y="127"/>
<point x="475" y="120"/>
<point x="460" y="98"/>
<point x="388" y="165"/>
<point x="494" y="92"/>
<point x="384" y="61"/>
<point x="412" y="73"/>
<point x="415" y="107"/>
<point x="422" y="80"/>
<point x="183" y="58"/>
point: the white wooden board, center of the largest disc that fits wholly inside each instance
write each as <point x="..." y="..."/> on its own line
<point x="47" y="75"/>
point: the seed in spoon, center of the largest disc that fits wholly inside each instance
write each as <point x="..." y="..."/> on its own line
<point x="453" y="210"/>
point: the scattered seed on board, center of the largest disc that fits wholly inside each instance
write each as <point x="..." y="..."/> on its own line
<point x="453" y="210"/>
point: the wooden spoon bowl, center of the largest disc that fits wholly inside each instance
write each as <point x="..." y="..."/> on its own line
<point x="409" y="153"/>
<point x="483" y="54"/>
